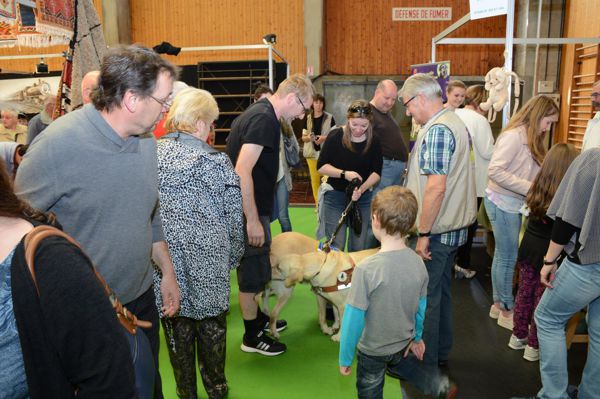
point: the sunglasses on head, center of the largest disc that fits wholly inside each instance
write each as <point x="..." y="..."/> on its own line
<point x="360" y="110"/>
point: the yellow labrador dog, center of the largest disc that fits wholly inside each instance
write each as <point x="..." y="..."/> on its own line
<point x="295" y="258"/>
<point x="282" y="245"/>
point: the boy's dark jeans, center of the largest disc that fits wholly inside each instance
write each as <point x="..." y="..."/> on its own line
<point x="370" y="374"/>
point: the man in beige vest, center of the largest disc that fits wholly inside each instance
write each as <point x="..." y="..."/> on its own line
<point x="441" y="175"/>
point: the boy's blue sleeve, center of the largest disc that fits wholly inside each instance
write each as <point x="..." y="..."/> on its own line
<point x="419" y="318"/>
<point x="353" y="324"/>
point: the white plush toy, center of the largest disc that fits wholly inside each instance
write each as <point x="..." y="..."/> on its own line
<point x="496" y="83"/>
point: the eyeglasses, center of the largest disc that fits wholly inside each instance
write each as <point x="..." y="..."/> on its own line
<point x="412" y="98"/>
<point x="595" y="95"/>
<point x="366" y="110"/>
<point x="306" y="110"/>
<point x="165" y="103"/>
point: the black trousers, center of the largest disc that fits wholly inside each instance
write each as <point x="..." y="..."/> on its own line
<point x="206" y="339"/>
<point x="463" y="255"/>
<point x="144" y="307"/>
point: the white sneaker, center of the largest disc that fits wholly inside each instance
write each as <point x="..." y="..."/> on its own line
<point x="517" y="343"/>
<point x="494" y="312"/>
<point x="460" y="273"/>
<point x="506" y="321"/>
<point x="531" y="354"/>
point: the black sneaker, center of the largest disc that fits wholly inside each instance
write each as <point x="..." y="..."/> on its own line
<point x="263" y="344"/>
<point x="280" y="325"/>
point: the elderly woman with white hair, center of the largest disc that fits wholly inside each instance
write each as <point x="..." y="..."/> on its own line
<point x="201" y="210"/>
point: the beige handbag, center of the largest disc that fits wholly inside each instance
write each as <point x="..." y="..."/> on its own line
<point x="308" y="149"/>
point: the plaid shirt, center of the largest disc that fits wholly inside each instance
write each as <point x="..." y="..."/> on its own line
<point x="436" y="154"/>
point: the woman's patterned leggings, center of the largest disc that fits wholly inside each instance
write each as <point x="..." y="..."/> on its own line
<point x="529" y="294"/>
<point x="205" y="338"/>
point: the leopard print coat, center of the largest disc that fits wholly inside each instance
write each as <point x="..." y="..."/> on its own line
<point x="201" y="210"/>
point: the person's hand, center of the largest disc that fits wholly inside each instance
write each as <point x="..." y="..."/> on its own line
<point x="169" y="291"/>
<point x="320" y="139"/>
<point x="345" y="370"/>
<point x="256" y="234"/>
<point x="547" y="275"/>
<point x="422" y="248"/>
<point x="351" y="175"/>
<point x="306" y="138"/>
<point x="356" y="194"/>
<point x="417" y="348"/>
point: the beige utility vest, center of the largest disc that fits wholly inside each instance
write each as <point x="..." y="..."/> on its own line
<point x="459" y="206"/>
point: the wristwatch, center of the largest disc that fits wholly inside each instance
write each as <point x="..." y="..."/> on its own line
<point x="343" y="175"/>
<point x="425" y="234"/>
<point x="548" y="262"/>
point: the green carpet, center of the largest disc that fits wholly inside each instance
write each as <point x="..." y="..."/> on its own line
<point x="309" y="368"/>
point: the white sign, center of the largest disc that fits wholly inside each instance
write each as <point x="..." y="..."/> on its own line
<point x="488" y="8"/>
<point x="421" y="13"/>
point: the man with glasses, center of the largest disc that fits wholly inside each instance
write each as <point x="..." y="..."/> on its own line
<point x="253" y="146"/>
<point x="441" y="175"/>
<point x="591" y="137"/>
<point x="96" y="169"/>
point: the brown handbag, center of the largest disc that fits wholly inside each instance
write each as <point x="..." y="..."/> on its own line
<point x="127" y="319"/>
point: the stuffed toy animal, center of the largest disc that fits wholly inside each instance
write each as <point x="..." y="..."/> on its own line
<point x="496" y="83"/>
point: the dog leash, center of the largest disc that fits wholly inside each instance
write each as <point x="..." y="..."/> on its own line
<point x="327" y="246"/>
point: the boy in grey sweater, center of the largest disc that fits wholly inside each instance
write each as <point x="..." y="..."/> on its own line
<point x="386" y="306"/>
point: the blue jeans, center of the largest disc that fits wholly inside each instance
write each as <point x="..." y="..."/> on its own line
<point x="437" y="327"/>
<point x="506" y="228"/>
<point x="334" y="203"/>
<point x="391" y="174"/>
<point x="575" y="287"/>
<point x="282" y="204"/>
<point x="370" y="374"/>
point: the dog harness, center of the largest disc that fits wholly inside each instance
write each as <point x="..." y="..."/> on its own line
<point x="344" y="280"/>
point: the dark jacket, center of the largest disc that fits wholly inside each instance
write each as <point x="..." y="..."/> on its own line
<point x="70" y="337"/>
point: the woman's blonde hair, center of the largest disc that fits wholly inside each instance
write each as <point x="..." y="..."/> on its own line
<point x="358" y="109"/>
<point x="546" y="182"/>
<point x="190" y="106"/>
<point x="529" y="117"/>
<point x="475" y="95"/>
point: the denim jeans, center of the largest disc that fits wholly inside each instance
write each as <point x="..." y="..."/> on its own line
<point x="334" y="203"/>
<point x="282" y="200"/>
<point x="506" y="234"/>
<point x="391" y="174"/>
<point x="144" y="307"/>
<point x="370" y="374"/>
<point x="575" y="287"/>
<point x="437" y="327"/>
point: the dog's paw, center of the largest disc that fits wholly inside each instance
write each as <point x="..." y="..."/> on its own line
<point x="327" y="330"/>
<point x="336" y="337"/>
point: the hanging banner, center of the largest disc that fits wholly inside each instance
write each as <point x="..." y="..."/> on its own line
<point x="487" y="8"/>
<point x="421" y="13"/>
<point x="439" y="70"/>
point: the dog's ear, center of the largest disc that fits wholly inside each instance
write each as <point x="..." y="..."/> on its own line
<point x="290" y="267"/>
<point x="311" y="263"/>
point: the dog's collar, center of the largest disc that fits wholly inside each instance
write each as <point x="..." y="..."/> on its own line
<point x="344" y="280"/>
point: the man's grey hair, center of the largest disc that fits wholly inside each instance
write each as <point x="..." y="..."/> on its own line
<point x="596" y="83"/>
<point x="423" y="84"/>
<point x="11" y="111"/>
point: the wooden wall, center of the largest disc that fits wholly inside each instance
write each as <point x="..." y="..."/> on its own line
<point x="227" y="22"/>
<point x="363" y="39"/>
<point x="581" y="20"/>
<point x="28" y="65"/>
